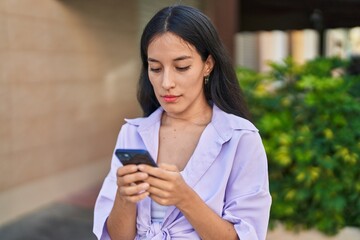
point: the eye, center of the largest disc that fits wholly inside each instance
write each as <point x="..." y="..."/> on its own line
<point x="183" y="69"/>
<point x="156" y="70"/>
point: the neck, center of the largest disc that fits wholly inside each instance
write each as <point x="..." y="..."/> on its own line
<point x="199" y="118"/>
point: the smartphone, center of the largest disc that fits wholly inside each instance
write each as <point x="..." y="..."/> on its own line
<point x="134" y="156"/>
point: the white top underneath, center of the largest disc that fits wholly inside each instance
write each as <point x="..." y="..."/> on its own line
<point x="157" y="212"/>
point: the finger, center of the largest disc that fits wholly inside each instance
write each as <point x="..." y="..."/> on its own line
<point x="133" y="190"/>
<point x="121" y="171"/>
<point x="157" y="171"/>
<point x="137" y="198"/>
<point x="158" y="192"/>
<point x="158" y="183"/>
<point x="154" y="171"/>
<point x="132" y="178"/>
<point x="162" y="201"/>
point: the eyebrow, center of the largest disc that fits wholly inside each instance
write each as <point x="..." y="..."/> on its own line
<point x="176" y="59"/>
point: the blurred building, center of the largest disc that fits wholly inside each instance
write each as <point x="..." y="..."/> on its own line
<point x="67" y="80"/>
<point x="254" y="50"/>
<point x="272" y="30"/>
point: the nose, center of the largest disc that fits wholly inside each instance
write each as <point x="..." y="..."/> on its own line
<point x="168" y="80"/>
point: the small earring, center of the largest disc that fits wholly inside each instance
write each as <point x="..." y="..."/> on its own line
<point x="206" y="80"/>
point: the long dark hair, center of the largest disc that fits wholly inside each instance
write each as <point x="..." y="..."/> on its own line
<point x="195" y="28"/>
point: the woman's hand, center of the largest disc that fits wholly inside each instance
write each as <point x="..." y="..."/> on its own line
<point x="131" y="183"/>
<point x="167" y="186"/>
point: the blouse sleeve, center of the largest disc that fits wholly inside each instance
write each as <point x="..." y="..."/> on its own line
<point x="106" y="197"/>
<point x="247" y="199"/>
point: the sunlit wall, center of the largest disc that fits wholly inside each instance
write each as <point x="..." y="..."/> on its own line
<point x="68" y="74"/>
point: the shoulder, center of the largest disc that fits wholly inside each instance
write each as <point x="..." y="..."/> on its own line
<point x="226" y="124"/>
<point x="233" y="121"/>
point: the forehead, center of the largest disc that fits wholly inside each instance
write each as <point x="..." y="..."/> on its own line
<point x="171" y="45"/>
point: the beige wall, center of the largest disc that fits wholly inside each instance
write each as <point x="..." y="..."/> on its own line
<point x="68" y="72"/>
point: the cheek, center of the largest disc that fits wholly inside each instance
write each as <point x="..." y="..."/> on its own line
<point x="152" y="79"/>
<point x="155" y="83"/>
<point x="194" y="81"/>
<point x="193" y="88"/>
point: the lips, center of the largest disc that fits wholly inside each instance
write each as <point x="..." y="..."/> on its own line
<point x="170" y="98"/>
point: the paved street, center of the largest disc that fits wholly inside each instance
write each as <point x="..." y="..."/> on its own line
<point x="68" y="219"/>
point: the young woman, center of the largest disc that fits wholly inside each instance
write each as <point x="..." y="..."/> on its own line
<point x="212" y="179"/>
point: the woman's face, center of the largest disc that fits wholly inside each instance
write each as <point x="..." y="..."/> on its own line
<point x="177" y="72"/>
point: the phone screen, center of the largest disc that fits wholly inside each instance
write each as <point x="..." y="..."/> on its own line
<point x="134" y="156"/>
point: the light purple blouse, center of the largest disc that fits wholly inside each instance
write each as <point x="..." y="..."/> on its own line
<point x="228" y="170"/>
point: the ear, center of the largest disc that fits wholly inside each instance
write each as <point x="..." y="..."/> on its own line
<point x="209" y="65"/>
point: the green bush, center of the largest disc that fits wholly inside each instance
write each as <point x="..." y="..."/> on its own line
<point x="309" y="119"/>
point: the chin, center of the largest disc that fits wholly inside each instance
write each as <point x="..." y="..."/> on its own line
<point x="172" y="108"/>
